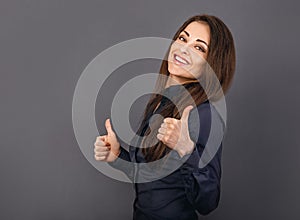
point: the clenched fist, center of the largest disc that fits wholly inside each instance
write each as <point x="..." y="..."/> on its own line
<point x="107" y="147"/>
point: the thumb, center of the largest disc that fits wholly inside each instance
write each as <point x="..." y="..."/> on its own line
<point x="108" y="127"/>
<point x="185" y="113"/>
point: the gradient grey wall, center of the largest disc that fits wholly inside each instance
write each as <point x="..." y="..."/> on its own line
<point x="44" y="47"/>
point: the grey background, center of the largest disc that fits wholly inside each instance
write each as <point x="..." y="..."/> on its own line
<point x="44" y="47"/>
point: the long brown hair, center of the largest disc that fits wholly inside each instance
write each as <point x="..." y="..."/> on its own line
<point x="220" y="58"/>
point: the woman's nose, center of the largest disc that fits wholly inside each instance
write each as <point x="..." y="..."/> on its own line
<point x="184" y="49"/>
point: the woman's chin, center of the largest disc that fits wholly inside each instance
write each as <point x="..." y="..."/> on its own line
<point x="180" y="73"/>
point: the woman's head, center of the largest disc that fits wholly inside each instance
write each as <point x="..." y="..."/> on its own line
<point x="188" y="52"/>
<point x="201" y="40"/>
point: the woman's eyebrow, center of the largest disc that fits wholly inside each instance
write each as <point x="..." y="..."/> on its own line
<point x="197" y="39"/>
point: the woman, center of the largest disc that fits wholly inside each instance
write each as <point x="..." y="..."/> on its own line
<point x="201" y="39"/>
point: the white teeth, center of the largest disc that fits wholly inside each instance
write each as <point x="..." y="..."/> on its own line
<point x="180" y="60"/>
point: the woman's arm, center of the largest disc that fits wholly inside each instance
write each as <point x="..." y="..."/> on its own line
<point x="123" y="163"/>
<point x="202" y="185"/>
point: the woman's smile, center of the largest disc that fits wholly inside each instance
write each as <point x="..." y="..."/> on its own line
<point x="179" y="60"/>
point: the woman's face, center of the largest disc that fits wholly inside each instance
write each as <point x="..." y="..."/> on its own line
<point x="189" y="52"/>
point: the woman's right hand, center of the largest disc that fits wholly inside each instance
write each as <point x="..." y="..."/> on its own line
<point x="107" y="147"/>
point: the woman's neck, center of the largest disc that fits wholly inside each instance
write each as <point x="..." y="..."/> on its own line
<point x="177" y="81"/>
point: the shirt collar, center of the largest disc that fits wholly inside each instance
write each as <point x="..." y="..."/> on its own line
<point x="175" y="90"/>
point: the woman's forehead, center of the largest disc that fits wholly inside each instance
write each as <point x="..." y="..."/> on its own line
<point x="198" y="29"/>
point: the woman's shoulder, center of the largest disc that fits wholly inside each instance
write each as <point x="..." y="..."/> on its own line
<point x="204" y="105"/>
<point x="203" y="109"/>
<point x="204" y="118"/>
<point x="208" y="110"/>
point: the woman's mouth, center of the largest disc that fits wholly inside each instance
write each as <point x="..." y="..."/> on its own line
<point x="180" y="60"/>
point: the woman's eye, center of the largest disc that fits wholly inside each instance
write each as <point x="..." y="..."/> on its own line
<point x="200" y="48"/>
<point x="181" y="38"/>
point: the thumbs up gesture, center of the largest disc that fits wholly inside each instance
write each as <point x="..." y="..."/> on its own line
<point x="175" y="133"/>
<point x="107" y="147"/>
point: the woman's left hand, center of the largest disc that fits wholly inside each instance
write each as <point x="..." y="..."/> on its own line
<point x="175" y="133"/>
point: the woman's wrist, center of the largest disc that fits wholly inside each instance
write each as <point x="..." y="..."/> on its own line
<point x="188" y="149"/>
<point x="117" y="153"/>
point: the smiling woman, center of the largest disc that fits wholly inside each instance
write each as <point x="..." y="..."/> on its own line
<point x="189" y="53"/>
<point x="202" y="41"/>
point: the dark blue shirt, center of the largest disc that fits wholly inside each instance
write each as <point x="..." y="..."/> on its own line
<point x="188" y="188"/>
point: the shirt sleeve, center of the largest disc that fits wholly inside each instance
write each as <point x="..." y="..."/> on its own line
<point x="202" y="185"/>
<point x="123" y="163"/>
